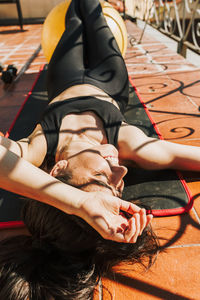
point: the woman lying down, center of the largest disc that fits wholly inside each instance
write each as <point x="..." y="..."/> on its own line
<point x="73" y="164"/>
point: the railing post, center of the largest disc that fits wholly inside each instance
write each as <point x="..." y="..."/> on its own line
<point x="182" y="48"/>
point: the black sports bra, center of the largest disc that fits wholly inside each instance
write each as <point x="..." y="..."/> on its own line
<point x="52" y="118"/>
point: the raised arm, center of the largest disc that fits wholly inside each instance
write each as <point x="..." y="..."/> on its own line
<point x="150" y="153"/>
<point x="101" y="211"/>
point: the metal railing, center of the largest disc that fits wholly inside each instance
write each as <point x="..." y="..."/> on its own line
<point x="179" y="19"/>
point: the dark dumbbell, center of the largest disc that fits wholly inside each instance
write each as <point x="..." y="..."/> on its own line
<point x="8" y="75"/>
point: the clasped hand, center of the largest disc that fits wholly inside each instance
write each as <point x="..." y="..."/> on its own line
<point x="107" y="215"/>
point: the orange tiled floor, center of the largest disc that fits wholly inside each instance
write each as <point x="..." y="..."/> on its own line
<point x="16" y="47"/>
<point x="169" y="85"/>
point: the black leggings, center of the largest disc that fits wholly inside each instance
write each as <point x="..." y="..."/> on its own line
<point x="87" y="53"/>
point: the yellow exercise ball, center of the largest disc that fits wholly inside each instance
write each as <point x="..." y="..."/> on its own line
<point x="54" y="26"/>
<point x="117" y="25"/>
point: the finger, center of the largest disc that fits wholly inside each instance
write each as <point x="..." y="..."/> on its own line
<point x="118" y="237"/>
<point x="149" y="219"/>
<point x="143" y="220"/>
<point x="116" y="232"/>
<point x="130" y="232"/>
<point x="129" y="207"/>
<point x="117" y="224"/>
<point x="122" y="223"/>
<point x="137" y="226"/>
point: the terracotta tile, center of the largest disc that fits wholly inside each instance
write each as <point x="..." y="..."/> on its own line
<point x="133" y="54"/>
<point x="136" y="60"/>
<point x="164" y="51"/>
<point x="143" y="69"/>
<point x="154" y="87"/>
<point x="157" y="48"/>
<point x="170" y="58"/>
<point x="171" y="68"/>
<point x="167" y="279"/>
<point x="174" y="103"/>
<point x="190" y="84"/>
<point x="178" y="126"/>
<point x="135" y="32"/>
<point x="178" y="230"/>
<point x="160" y="96"/>
<point x="11" y="99"/>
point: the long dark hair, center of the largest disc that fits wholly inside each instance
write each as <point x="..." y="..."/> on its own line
<point x="63" y="257"/>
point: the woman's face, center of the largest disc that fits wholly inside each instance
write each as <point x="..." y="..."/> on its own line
<point x="97" y="169"/>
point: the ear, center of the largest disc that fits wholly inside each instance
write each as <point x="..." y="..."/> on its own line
<point x="59" y="168"/>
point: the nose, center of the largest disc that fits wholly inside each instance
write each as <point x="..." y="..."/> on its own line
<point x="118" y="173"/>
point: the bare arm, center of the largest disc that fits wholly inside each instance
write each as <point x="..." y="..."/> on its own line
<point x="151" y="153"/>
<point x="101" y="211"/>
<point x="19" y="176"/>
<point x="32" y="148"/>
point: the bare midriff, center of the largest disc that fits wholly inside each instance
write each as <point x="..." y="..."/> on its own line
<point x="83" y="90"/>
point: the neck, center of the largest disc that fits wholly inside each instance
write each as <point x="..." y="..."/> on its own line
<point x="75" y="145"/>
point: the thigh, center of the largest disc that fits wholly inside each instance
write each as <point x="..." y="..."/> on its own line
<point x="67" y="63"/>
<point x="106" y="67"/>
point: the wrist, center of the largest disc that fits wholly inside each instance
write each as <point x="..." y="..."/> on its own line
<point x="73" y="201"/>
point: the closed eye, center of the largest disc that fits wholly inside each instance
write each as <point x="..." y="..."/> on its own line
<point x="101" y="174"/>
<point x="94" y="181"/>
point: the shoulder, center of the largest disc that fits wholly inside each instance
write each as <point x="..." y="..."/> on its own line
<point x="130" y="139"/>
<point x="34" y="147"/>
